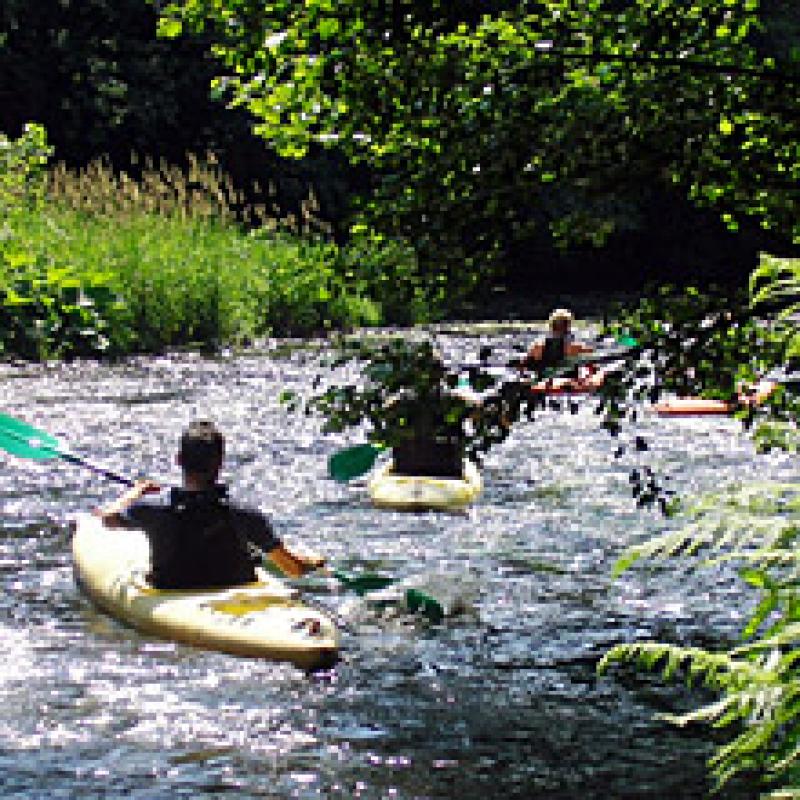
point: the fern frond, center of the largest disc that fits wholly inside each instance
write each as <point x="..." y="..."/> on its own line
<point x="776" y="280"/>
<point x="757" y="525"/>
<point x="763" y="557"/>
<point x="716" y="670"/>
<point x="757" y="517"/>
<point x="707" y="713"/>
<point x="784" y="763"/>
<point x="789" y="635"/>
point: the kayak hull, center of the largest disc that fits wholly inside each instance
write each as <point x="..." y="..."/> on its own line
<point x="259" y="620"/>
<point x="583" y="384"/>
<point x="418" y="493"/>
<point x="701" y="406"/>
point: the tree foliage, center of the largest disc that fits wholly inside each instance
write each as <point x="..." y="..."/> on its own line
<point x="405" y="390"/>
<point x="755" y="526"/>
<point x="483" y="120"/>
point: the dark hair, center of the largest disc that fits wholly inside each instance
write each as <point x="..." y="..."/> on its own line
<point x="202" y="446"/>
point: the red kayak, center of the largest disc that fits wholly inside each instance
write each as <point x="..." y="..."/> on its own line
<point x="701" y="406"/>
<point x="588" y="381"/>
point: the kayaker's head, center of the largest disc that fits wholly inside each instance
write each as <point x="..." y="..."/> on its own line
<point x="200" y="455"/>
<point x="560" y="321"/>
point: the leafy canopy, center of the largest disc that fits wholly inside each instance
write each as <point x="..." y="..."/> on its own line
<point x="483" y="122"/>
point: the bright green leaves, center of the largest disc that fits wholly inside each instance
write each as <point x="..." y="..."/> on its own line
<point x="22" y="163"/>
<point x="328" y="28"/>
<point x="582" y="90"/>
<point x="170" y="28"/>
<point x="52" y="313"/>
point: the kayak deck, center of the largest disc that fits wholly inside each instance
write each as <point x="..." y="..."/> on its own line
<point x="418" y="493"/>
<point x="261" y="620"/>
<point x="585" y="382"/>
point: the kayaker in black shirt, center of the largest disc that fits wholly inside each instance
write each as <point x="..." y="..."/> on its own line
<point x="559" y="343"/>
<point x="198" y="537"/>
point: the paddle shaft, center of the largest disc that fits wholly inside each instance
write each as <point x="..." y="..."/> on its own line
<point x="106" y="473"/>
<point x="69" y="457"/>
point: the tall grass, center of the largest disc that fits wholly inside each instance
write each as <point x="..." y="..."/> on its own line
<point x="200" y="190"/>
<point x="183" y="281"/>
<point x="170" y="249"/>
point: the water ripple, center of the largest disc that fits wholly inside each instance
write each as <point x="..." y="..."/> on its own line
<point x="502" y="701"/>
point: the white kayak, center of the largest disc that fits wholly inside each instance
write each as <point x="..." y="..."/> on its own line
<point x="262" y="619"/>
<point x="417" y="492"/>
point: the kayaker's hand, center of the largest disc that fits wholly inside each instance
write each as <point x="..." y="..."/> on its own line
<point x="110" y="513"/>
<point x="316" y="562"/>
<point x="145" y="486"/>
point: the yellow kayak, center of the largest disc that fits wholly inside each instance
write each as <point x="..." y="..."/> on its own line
<point x="262" y="619"/>
<point x="415" y="493"/>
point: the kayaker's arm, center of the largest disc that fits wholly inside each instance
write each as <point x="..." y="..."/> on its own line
<point x="535" y="356"/>
<point x="294" y="564"/>
<point x="571" y="349"/>
<point x="110" y="513"/>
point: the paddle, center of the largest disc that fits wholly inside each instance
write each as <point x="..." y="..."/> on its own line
<point x="353" y="462"/>
<point x="25" y="441"/>
<point x="362" y="583"/>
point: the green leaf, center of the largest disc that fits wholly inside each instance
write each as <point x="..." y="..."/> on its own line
<point x="170" y="28"/>
<point x="328" y="28"/>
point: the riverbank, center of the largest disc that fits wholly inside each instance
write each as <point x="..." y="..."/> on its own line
<point x="95" y="263"/>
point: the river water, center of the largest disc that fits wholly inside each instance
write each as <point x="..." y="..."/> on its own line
<point x="498" y="702"/>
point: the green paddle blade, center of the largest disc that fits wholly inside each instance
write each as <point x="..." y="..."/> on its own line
<point x="363" y="582"/>
<point x="353" y="461"/>
<point x="420" y="602"/>
<point x="25" y="441"/>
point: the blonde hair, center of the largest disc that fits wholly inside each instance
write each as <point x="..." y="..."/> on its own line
<point x="559" y="315"/>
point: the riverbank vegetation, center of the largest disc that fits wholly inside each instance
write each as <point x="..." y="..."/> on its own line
<point x="96" y="262"/>
<point x="480" y="135"/>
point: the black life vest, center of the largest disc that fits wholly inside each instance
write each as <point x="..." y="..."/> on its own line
<point x="554" y="351"/>
<point x="207" y="548"/>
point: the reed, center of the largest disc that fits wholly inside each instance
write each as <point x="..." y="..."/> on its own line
<point x="163" y="256"/>
<point x="199" y="191"/>
<point x="175" y="262"/>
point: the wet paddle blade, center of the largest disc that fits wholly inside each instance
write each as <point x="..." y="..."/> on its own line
<point x="419" y="602"/>
<point x="25" y="441"/>
<point x="353" y="462"/>
<point x="363" y="582"/>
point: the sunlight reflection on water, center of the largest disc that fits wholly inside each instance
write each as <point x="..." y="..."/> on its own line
<point x="501" y="702"/>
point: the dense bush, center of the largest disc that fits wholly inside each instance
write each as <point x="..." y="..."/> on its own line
<point x="47" y="309"/>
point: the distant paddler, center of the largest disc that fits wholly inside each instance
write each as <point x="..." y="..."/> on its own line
<point x="559" y="343"/>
